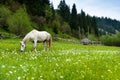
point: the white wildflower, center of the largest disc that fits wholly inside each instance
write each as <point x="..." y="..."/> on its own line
<point x="109" y="70"/>
<point x="61" y="77"/>
<point x="7" y="74"/>
<point x="33" y="78"/>
<point x="3" y="66"/>
<point x="13" y="67"/>
<point x="20" y="65"/>
<point x="57" y="64"/>
<point x="68" y="60"/>
<point x="102" y="76"/>
<point x="79" y="60"/>
<point x="10" y="72"/>
<point x="41" y="76"/>
<point x="55" y="71"/>
<point x="19" y="78"/>
<point x="15" y="71"/>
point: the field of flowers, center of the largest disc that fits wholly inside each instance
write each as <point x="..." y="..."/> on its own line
<point x="63" y="61"/>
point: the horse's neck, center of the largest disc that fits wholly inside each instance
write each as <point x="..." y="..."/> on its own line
<point x="26" y="38"/>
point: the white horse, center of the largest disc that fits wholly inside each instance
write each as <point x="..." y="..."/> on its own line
<point x="35" y="36"/>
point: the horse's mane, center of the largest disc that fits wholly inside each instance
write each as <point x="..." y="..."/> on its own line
<point x="26" y="38"/>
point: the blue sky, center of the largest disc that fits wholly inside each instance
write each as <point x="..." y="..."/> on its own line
<point x="105" y="8"/>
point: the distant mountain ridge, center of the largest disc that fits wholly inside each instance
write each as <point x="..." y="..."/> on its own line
<point x="107" y="25"/>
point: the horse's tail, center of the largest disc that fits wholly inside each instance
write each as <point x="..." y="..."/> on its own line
<point x="50" y="41"/>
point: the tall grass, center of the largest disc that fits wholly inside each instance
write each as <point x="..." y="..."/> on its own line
<point x="63" y="61"/>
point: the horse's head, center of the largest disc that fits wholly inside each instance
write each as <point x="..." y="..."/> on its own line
<point x="22" y="44"/>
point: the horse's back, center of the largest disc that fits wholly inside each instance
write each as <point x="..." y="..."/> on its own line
<point x="39" y="35"/>
<point x="44" y="35"/>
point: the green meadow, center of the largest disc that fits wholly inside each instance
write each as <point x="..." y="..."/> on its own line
<point x="63" y="61"/>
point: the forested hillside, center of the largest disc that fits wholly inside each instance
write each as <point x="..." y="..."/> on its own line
<point x="108" y="26"/>
<point x="21" y="16"/>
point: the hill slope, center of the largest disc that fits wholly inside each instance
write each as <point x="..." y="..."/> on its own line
<point x="108" y="25"/>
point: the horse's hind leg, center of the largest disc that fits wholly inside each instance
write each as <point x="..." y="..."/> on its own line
<point x="34" y="45"/>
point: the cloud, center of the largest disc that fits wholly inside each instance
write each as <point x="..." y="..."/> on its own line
<point x="55" y="3"/>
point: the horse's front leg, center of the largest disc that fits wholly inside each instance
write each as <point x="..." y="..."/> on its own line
<point x="34" y="45"/>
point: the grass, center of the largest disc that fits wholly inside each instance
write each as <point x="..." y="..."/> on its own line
<point x="63" y="61"/>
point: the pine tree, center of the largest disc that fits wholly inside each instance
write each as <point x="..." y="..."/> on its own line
<point x="88" y="21"/>
<point x="64" y="11"/>
<point x="53" y="11"/>
<point x="73" y="19"/>
<point x="94" y="26"/>
<point x="84" y="22"/>
<point x="80" y="25"/>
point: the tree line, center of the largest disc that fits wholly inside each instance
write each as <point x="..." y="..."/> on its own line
<point x="21" y="16"/>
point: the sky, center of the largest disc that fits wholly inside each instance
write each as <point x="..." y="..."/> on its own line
<point x="99" y="8"/>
